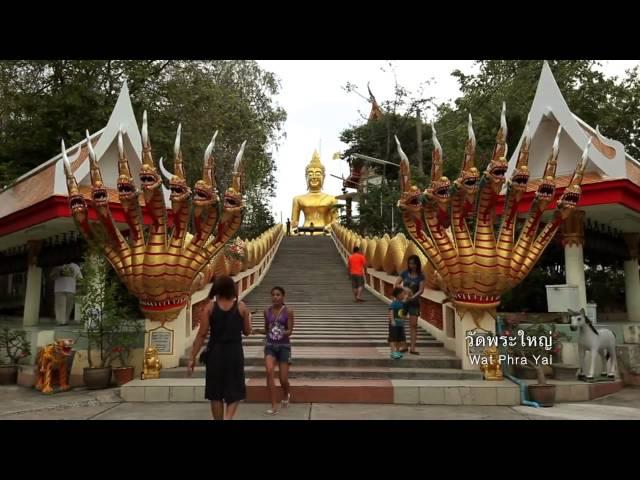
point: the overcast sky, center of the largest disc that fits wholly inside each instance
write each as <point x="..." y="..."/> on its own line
<point x="318" y="109"/>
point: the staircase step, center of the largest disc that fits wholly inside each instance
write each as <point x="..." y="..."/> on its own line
<point x="341" y="342"/>
<point x="328" y="360"/>
<point x="304" y="390"/>
<point x="315" y="372"/>
<point x="340" y="350"/>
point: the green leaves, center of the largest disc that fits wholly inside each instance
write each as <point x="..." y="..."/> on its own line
<point x="14" y="345"/>
<point x="108" y="311"/>
<point x="608" y="102"/>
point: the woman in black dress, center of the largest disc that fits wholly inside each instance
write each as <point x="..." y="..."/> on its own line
<point x="224" y="359"/>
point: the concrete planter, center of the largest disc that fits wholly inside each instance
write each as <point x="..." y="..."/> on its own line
<point x="122" y="375"/>
<point x="8" y="374"/>
<point x="97" y="378"/>
<point x="544" y="395"/>
<point x="565" y="372"/>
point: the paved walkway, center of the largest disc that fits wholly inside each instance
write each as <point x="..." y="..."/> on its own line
<point x="19" y="403"/>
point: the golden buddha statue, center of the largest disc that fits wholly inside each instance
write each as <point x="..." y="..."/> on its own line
<point x="319" y="208"/>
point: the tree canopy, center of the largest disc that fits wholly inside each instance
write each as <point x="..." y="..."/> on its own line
<point x="611" y="103"/>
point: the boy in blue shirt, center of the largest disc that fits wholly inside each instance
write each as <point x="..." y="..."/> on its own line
<point x="397" y="315"/>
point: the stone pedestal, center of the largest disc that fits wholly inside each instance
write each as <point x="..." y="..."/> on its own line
<point x="173" y="336"/>
<point x="466" y="322"/>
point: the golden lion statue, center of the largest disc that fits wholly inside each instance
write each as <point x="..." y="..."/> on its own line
<point x="52" y="358"/>
<point x="492" y="370"/>
<point x="152" y="365"/>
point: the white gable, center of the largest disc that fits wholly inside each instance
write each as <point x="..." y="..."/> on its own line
<point x="548" y="110"/>
<point x="107" y="150"/>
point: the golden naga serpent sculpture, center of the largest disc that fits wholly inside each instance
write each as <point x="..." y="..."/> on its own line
<point x="158" y="267"/>
<point x="476" y="263"/>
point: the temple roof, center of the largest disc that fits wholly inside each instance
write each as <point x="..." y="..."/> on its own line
<point x="48" y="179"/>
<point x="607" y="158"/>
<point x="39" y="184"/>
<point x="611" y="182"/>
<point x="35" y="205"/>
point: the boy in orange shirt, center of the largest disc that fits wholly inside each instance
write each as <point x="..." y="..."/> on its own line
<point x="356" y="266"/>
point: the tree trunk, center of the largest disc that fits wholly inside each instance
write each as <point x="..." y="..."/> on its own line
<point x="419" y="140"/>
<point x="540" y="374"/>
<point x="388" y="138"/>
<point x="89" y="350"/>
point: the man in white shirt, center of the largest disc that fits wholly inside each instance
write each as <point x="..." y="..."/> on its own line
<point x="65" y="290"/>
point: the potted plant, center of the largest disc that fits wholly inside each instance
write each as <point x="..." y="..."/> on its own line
<point x="129" y="332"/>
<point x="536" y="346"/>
<point x="14" y="346"/>
<point x="104" y="311"/>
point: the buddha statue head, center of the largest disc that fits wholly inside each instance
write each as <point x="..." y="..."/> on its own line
<point x="314" y="172"/>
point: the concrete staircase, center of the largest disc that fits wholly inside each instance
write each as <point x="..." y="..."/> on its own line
<point x="340" y="348"/>
<point x="334" y="337"/>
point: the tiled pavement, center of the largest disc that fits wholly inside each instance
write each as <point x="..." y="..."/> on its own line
<point x="19" y="403"/>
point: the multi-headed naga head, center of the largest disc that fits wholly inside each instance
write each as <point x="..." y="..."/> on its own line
<point x="180" y="191"/>
<point x="205" y="192"/>
<point x="438" y="190"/>
<point x="127" y="190"/>
<point x="99" y="193"/>
<point x="77" y="202"/>
<point x="498" y="165"/>
<point x="572" y="193"/>
<point x="149" y="177"/>
<point x="475" y="265"/>
<point x="520" y="175"/>
<point x="469" y="176"/>
<point x="410" y="195"/>
<point x="160" y="269"/>
<point x="233" y="201"/>
<point x="547" y="188"/>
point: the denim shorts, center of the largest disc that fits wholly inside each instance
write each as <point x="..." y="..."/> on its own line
<point x="281" y="352"/>
<point x="413" y="308"/>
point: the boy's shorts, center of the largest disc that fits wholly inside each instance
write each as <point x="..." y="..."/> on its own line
<point x="396" y="334"/>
